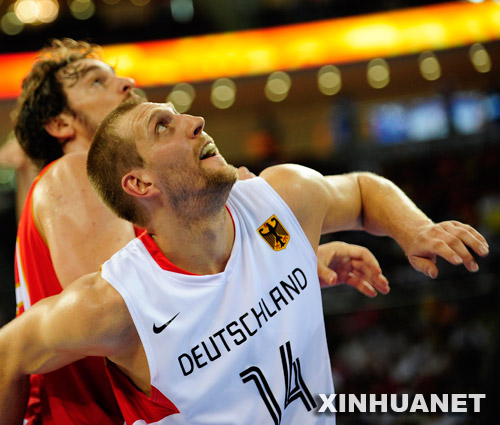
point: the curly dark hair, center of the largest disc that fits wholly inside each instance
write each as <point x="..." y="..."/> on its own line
<point x="43" y="98"/>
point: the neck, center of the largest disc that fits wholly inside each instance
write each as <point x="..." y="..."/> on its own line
<point x="78" y="144"/>
<point x="202" y="247"/>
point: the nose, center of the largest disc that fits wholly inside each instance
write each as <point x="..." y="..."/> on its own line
<point x="125" y="84"/>
<point x="196" y="126"/>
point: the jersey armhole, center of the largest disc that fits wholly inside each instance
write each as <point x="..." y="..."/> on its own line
<point x="134" y="404"/>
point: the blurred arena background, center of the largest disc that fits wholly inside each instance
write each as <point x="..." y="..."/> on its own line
<point x="404" y="88"/>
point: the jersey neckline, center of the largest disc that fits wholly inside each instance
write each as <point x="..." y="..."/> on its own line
<point x="164" y="263"/>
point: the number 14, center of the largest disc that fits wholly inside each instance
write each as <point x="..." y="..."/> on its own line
<point x="295" y="387"/>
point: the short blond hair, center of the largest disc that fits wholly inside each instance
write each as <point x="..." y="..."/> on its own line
<point x="110" y="157"/>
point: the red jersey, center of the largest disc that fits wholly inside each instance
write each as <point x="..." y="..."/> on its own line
<point x="80" y="393"/>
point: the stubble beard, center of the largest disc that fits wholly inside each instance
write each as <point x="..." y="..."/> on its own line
<point x="201" y="196"/>
<point x="89" y="126"/>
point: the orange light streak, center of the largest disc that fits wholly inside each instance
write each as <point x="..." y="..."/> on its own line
<point x="337" y="41"/>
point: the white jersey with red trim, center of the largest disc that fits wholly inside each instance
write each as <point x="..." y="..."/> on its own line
<point x="244" y="346"/>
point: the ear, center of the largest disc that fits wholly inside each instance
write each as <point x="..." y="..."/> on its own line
<point x="61" y="126"/>
<point x="137" y="183"/>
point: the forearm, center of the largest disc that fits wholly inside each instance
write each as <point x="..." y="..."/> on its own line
<point x="365" y="201"/>
<point x="387" y="210"/>
<point x="14" y="394"/>
<point x="14" y="384"/>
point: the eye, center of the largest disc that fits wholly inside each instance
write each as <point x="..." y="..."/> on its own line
<point x="161" y="126"/>
<point x="98" y="81"/>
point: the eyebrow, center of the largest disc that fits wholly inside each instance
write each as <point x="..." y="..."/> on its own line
<point x="171" y="106"/>
<point x="74" y="75"/>
<point x="153" y="117"/>
<point x="83" y="72"/>
<point x="158" y="111"/>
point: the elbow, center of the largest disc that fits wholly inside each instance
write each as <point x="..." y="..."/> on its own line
<point x="371" y="187"/>
<point x="364" y="180"/>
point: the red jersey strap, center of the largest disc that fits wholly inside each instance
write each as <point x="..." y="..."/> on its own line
<point x="44" y="170"/>
<point x="34" y="272"/>
<point x="138" y="231"/>
<point x="134" y="404"/>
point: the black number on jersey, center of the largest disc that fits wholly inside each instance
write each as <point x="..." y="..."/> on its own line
<point x="295" y="387"/>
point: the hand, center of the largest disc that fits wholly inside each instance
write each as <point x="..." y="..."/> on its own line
<point x="339" y="262"/>
<point x="450" y="240"/>
<point x="244" y="173"/>
<point x="12" y="155"/>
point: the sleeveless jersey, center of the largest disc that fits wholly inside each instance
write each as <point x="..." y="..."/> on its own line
<point x="80" y="393"/>
<point x="244" y="346"/>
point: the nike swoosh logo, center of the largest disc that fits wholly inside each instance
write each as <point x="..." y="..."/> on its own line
<point x="159" y="329"/>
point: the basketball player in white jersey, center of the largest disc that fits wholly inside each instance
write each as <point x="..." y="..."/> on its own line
<point x="214" y="315"/>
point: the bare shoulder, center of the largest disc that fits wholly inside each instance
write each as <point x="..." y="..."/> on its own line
<point x="66" y="172"/>
<point x="321" y="204"/>
<point x="80" y="231"/>
<point x="294" y="172"/>
<point x="66" y="179"/>
<point x="293" y="182"/>
<point x="102" y="317"/>
<point x="305" y="193"/>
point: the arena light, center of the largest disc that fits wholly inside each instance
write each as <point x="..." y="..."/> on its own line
<point x="480" y="58"/>
<point x="277" y="86"/>
<point x="182" y="10"/>
<point x="429" y="66"/>
<point x="329" y="80"/>
<point x="10" y="23"/>
<point x="36" y="11"/>
<point x="378" y="73"/>
<point x="257" y="52"/>
<point x="82" y="9"/>
<point x="27" y="11"/>
<point x="223" y="93"/>
<point x="49" y="9"/>
<point x="182" y="97"/>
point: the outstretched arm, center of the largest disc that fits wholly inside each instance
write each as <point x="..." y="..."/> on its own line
<point x="366" y="201"/>
<point x="87" y="318"/>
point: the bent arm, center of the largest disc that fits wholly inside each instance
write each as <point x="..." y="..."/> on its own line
<point x="372" y="203"/>
<point x="321" y="204"/>
<point x="84" y="320"/>
<point x="380" y="207"/>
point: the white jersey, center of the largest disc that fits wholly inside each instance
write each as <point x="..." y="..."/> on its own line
<point x="244" y="346"/>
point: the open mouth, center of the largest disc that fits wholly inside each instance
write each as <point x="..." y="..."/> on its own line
<point x="208" y="151"/>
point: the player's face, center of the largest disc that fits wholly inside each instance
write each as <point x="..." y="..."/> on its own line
<point x="93" y="91"/>
<point x="183" y="159"/>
